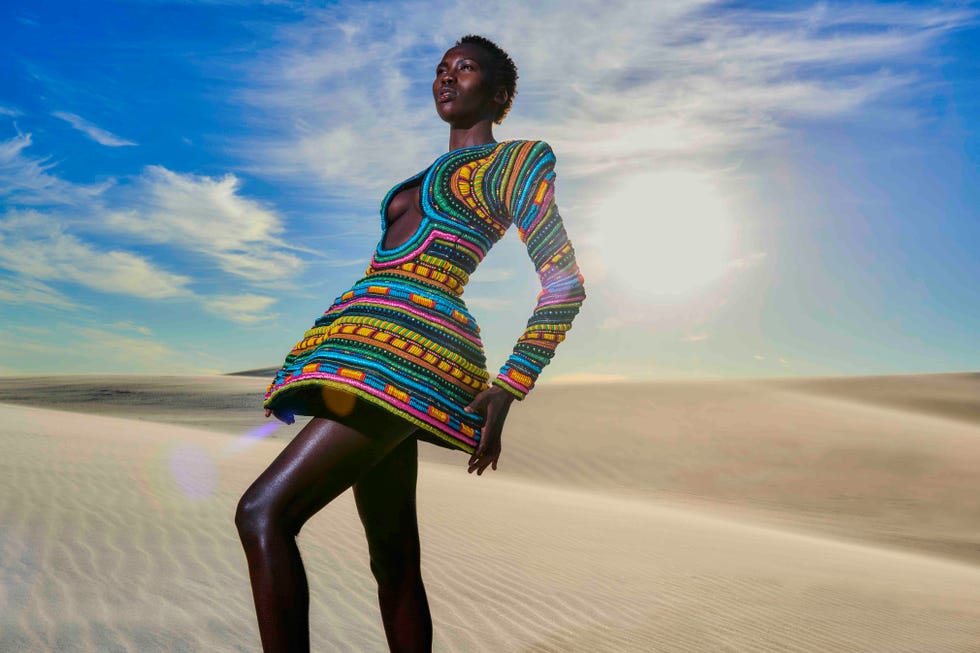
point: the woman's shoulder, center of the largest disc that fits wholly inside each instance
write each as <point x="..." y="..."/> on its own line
<point x="529" y="144"/>
<point x="528" y="154"/>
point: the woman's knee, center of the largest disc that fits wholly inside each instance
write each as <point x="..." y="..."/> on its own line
<point x="393" y="561"/>
<point x="257" y="516"/>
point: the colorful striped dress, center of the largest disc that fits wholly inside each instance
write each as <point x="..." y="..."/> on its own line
<point x="402" y="338"/>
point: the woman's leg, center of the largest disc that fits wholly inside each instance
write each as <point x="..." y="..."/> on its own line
<point x="319" y="463"/>
<point x="385" y="497"/>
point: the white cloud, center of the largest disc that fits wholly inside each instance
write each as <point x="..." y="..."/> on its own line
<point x="139" y="353"/>
<point x="17" y="343"/>
<point x="36" y="245"/>
<point x="342" y="100"/>
<point x="345" y="94"/>
<point x="199" y="214"/>
<point x="131" y="326"/>
<point x="210" y="217"/>
<point x="98" y="350"/>
<point x="335" y="102"/>
<point x="97" y="134"/>
<point x="204" y="215"/>
<point x="33" y="329"/>
<point x="244" y="309"/>
<point x="37" y="248"/>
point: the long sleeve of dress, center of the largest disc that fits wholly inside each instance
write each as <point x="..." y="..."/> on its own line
<point x="539" y="225"/>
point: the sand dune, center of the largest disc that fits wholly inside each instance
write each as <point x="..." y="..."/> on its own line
<point x="846" y="457"/>
<point x="674" y="516"/>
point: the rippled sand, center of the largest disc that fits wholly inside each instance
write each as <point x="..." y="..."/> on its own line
<point x="796" y="515"/>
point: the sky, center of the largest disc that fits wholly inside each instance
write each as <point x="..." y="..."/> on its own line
<point x="752" y="189"/>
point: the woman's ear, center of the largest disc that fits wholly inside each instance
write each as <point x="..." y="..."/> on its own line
<point x="500" y="99"/>
<point x="501" y="95"/>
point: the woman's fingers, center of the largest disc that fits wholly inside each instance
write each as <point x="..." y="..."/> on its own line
<point x="488" y="451"/>
<point x="483" y="463"/>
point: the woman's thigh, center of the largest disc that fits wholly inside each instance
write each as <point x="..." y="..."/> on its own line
<point x="325" y="458"/>
<point x="385" y="498"/>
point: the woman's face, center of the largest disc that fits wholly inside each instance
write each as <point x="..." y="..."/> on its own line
<point x="460" y="87"/>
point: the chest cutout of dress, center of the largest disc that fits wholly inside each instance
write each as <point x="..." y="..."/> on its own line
<point x="404" y="216"/>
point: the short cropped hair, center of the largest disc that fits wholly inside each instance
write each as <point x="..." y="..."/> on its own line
<point x="503" y="71"/>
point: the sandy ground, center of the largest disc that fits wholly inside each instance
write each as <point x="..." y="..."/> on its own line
<point x="790" y="515"/>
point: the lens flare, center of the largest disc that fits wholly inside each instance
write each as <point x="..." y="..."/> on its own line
<point x="194" y="471"/>
<point x="339" y="402"/>
<point x="248" y="440"/>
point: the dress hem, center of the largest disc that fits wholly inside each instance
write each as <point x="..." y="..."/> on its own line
<point x="458" y="445"/>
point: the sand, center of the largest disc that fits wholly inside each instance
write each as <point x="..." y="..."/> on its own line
<point x="792" y="515"/>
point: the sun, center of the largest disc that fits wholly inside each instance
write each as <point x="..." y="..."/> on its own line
<point x="665" y="235"/>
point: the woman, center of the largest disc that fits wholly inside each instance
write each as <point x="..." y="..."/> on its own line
<point x="398" y="357"/>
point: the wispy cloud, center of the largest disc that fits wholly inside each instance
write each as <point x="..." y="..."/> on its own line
<point x="210" y="217"/>
<point x="37" y="249"/>
<point x="25" y="290"/>
<point x="347" y="110"/>
<point x="200" y="215"/>
<point x="36" y="245"/>
<point x="335" y="107"/>
<point x="244" y="309"/>
<point x="97" y="349"/>
<point x="139" y="353"/>
<point x="346" y="96"/>
<point x="97" y="134"/>
<point x="131" y="326"/>
<point x="343" y="97"/>
<point x="25" y="180"/>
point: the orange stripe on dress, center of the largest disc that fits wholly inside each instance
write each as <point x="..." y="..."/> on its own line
<point x="351" y="374"/>
<point x="438" y="414"/>
<point x="395" y="392"/>
<point x="523" y="379"/>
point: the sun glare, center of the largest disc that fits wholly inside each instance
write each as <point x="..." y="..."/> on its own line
<point x="664" y="235"/>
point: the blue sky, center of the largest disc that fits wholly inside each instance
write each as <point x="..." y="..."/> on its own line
<point x="753" y="189"/>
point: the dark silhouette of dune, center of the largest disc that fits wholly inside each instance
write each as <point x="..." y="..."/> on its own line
<point x="262" y="371"/>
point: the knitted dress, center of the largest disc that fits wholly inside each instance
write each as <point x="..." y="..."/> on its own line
<point x="402" y="338"/>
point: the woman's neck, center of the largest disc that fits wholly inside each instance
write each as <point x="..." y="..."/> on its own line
<point x="480" y="133"/>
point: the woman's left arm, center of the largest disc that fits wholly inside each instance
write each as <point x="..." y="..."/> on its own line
<point x="540" y="227"/>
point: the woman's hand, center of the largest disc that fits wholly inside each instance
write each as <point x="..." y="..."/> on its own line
<point x="493" y="403"/>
